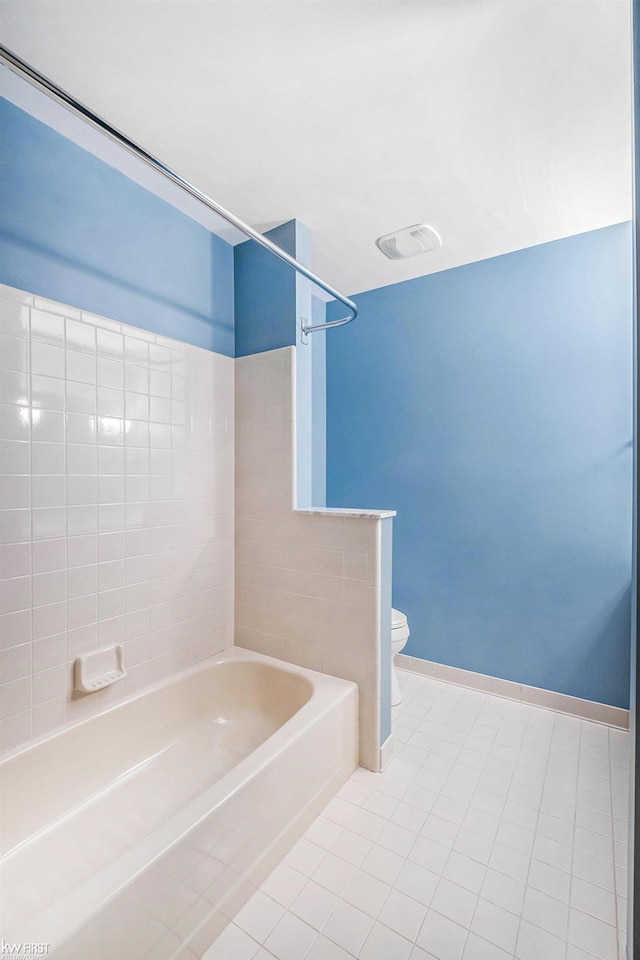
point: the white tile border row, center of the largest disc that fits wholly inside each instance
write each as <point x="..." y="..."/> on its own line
<point x="560" y="702"/>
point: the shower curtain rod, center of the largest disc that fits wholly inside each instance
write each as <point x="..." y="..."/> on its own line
<point x="23" y="69"/>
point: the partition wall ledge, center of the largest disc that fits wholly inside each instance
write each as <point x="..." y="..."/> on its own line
<point x="347" y="512"/>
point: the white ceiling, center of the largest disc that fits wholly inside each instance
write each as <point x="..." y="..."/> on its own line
<point x="502" y="124"/>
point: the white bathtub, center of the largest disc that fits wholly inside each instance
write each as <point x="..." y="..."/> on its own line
<point x="139" y="832"/>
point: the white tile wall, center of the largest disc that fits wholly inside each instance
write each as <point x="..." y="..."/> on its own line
<point x="116" y="507"/>
<point x="307" y="586"/>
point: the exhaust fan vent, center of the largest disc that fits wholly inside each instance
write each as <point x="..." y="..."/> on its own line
<point x="409" y="242"/>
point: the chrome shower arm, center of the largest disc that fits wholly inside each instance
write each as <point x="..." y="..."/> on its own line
<point x="27" y="72"/>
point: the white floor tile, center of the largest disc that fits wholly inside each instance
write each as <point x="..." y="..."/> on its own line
<point x="352" y="847"/>
<point x="392" y="786"/>
<point x="417" y="882"/>
<point x="284" y="884"/>
<point x="504" y="891"/>
<point x="259" y="916"/>
<point x="367" y="824"/>
<point x="354" y="792"/>
<point x="594" y="843"/>
<point x="305" y="857"/>
<point x="324" y="833"/>
<point x="430" y="854"/>
<point x="498" y="926"/>
<point x="381" y="803"/>
<point x="592" y="934"/>
<point x="479" y="949"/>
<point x="593" y="900"/>
<point x="340" y="811"/>
<point x="441" y="938"/>
<point x="552" y="827"/>
<point x="440" y="830"/>
<point x="367" y="893"/>
<point x="594" y="870"/>
<point x="554" y="853"/>
<point x="324" y="949"/>
<point x="457" y="790"/>
<point x="474" y="846"/>
<point x="512" y="862"/>
<point x="546" y="912"/>
<point x="454" y="902"/>
<point x="517" y="813"/>
<point x="430" y="779"/>
<point x="291" y="939"/>
<point x="517" y="837"/>
<point x="593" y="801"/>
<point x="232" y="942"/>
<point x="598" y="822"/>
<point x="453" y="811"/>
<point x="367" y="777"/>
<point x="464" y="871"/>
<point x="348" y="927"/>
<point x="408" y="816"/>
<point x="575" y="953"/>
<point x="382" y="863"/>
<point x="558" y="807"/>
<point x="480" y="821"/>
<point x="535" y="944"/>
<point x="396" y="838"/>
<point x="403" y="914"/>
<point x="557" y="883"/>
<point x="466" y="772"/>
<point x="335" y="874"/>
<point x="382" y="944"/>
<point x="490" y="837"/>
<point x="314" y="904"/>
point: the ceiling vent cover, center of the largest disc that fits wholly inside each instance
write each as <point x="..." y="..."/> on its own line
<point x="409" y="242"/>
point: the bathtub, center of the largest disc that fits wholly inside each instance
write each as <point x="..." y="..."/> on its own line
<point x="138" y="833"/>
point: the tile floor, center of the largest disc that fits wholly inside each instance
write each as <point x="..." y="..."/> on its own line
<point x="498" y="831"/>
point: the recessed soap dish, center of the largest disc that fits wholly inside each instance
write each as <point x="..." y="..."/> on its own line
<point x="99" y="669"/>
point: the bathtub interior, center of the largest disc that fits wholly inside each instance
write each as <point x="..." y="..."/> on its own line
<point x="202" y="726"/>
<point x="219" y="767"/>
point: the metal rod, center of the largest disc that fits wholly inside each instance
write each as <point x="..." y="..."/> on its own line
<point x="23" y="69"/>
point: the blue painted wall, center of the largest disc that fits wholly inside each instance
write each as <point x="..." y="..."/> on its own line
<point x="78" y="231"/>
<point x="265" y="322"/>
<point x="491" y="406"/>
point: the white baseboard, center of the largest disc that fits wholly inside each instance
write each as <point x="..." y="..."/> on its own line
<point x="560" y="702"/>
<point x="386" y="752"/>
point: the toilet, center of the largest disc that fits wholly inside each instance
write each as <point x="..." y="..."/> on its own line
<point x="399" y="636"/>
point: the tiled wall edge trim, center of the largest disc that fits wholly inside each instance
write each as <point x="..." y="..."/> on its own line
<point x="386" y="752"/>
<point x="560" y="702"/>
